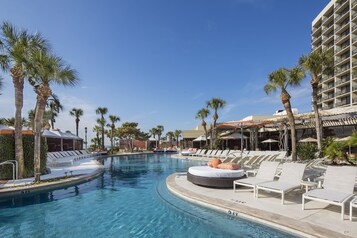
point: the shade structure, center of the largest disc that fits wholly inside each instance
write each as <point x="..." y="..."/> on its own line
<point x="308" y="140"/>
<point x="270" y="141"/>
<point x="234" y="136"/>
<point x="201" y="138"/>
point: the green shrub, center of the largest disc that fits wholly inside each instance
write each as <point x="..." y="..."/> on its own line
<point x="306" y="151"/>
<point x="7" y="152"/>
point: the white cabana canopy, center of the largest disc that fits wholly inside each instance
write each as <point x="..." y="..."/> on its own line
<point x="234" y="136"/>
<point x="201" y="138"/>
<point x="308" y="140"/>
<point x="270" y="141"/>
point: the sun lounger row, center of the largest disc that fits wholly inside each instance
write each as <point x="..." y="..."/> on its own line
<point x="337" y="187"/>
<point x="67" y="158"/>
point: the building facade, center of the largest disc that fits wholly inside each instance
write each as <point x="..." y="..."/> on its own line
<point x="335" y="28"/>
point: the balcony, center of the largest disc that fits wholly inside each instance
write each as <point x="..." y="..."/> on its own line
<point x="339" y="49"/>
<point x="354" y="4"/>
<point x="340" y="18"/>
<point x="342" y="27"/>
<point x="342" y="60"/>
<point x="327" y="87"/>
<point x="342" y="92"/>
<point x="354" y="87"/>
<point x="343" y="103"/>
<point x="342" y="70"/>
<point x="327" y="107"/>
<point x="342" y="81"/>
<point x="340" y="5"/>
<point x="328" y="97"/>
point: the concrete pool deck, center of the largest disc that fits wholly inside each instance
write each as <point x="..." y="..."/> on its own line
<point x="317" y="220"/>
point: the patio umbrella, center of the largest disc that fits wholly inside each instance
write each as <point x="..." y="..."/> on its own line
<point x="270" y="141"/>
<point x="308" y="140"/>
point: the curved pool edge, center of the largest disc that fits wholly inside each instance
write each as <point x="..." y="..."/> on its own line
<point x="284" y="223"/>
<point x="7" y="193"/>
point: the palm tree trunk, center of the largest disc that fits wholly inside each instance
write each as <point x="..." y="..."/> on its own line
<point x="291" y="119"/>
<point x="111" y="140"/>
<point x="102" y="138"/>
<point x="318" y="121"/>
<point x="18" y="81"/>
<point x="77" y="125"/>
<point x="40" y="109"/>
<point x="206" y="135"/>
<point x="53" y="124"/>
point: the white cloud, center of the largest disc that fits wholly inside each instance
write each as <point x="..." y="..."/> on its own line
<point x="197" y="96"/>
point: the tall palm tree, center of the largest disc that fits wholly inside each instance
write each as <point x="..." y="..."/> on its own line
<point x="203" y="114"/>
<point x="281" y="79"/>
<point x="153" y="132"/>
<point x="77" y="113"/>
<point x="177" y="134"/>
<point x="317" y="63"/>
<point x="215" y="104"/>
<point x="16" y="49"/>
<point x="55" y="107"/>
<point x="113" y="119"/>
<point x="97" y="129"/>
<point x="46" y="70"/>
<point x="160" y="129"/>
<point x="102" y="111"/>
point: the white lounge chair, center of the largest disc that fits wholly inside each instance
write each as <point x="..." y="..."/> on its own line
<point x="265" y="174"/>
<point x="336" y="189"/>
<point x="289" y="180"/>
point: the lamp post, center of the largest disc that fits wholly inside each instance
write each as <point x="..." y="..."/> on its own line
<point x="85" y="137"/>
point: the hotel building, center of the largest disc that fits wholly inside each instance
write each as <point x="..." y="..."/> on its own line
<point x="335" y="28"/>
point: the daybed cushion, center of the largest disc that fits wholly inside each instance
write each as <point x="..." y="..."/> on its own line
<point x="230" y="166"/>
<point x="206" y="171"/>
<point x="214" y="163"/>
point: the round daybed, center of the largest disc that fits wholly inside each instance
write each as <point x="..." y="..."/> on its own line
<point x="211" y="177"/>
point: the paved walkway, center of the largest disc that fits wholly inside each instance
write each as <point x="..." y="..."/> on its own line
<point x="317" y="220"/>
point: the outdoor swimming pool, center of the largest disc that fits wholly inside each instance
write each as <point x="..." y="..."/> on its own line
<point x="129" y="200"/>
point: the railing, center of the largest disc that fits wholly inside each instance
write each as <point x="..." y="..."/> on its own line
<point x="328" y="87"/>
<point x="330" y="96"/>
<point x="337" y="71"/>
<point x="340" y="48"/>
<point x="339" y="27"/>
<point x="342" y="59"/>
<point x="341" y="81"/>
<point x="343" y="103"/>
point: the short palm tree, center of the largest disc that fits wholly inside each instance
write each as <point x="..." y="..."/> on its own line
<point x="97" y="129"/>
<point x="170" y="135"/>
<point x="177" y="134"/>
<point x="281" y="79"/>
<point x="46" y="69"/>
<point x="102" y="111"/>
<point x="153" y="132"/>
<point x="16" y="49"/>
<point x="160" y="130"/>
<point x="203" y="114"/>
<point x="55" y="107"/>
<point x="77" y="113"/>
<point x="317" y="63"/>
<point x="113" y="119"/>
<point x="215" y="104"/>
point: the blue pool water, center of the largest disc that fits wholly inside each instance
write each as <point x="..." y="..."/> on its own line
<point x="129" y="200"/>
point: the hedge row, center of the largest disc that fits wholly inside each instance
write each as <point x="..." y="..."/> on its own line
<point x="7" y="152"/>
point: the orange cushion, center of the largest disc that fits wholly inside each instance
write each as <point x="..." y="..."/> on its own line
<point x="231" y="166"/>
<point x="214" y="163"/>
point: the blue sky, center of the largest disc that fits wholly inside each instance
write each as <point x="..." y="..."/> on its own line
<point x="157" y="62"/>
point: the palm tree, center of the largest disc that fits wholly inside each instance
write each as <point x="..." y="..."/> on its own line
<point x="203" y="114"/>
<point x="170" y="135"/>
<point x="55" y="107"/>
<point x="113" y="119"/>
<point x="160" y="129"/>
<point x="215" y="104"/>
<point x="281" y="79"/>
<point x="1" y="85"/>
<point x="153" y="132"/>
<point x="17" y="46"/>
<point x="77" y="113"/>
<point x="317" y="63"/>
<point x="46" y="69"/>
<point x="177" y="134"/>
<point x="97" y="129"/>
<point x="4" y="63"/>
<point x="102" y="111"/>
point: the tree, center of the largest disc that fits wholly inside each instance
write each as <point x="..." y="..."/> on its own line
<point x="97" y="129"/>
<point x="4" y="62"/>
<point x="16" y="49"/>
<point x="153" y="132"/>
<point x="215" y="104"/>
<point x="113" y="119"/>
<point x="177" y="134"/>
<point x="77" y="113"/>
<point x="281" y="79"/>
<point x="46" y="70"/>
<point x="317" y="63"/>
<point x="160" y="130"/>
<point x="170" y="135"/>
<point x="55" y="107"/>
<point x="203" y="114"/>
<point x="129" y="132"/>
<point x="102" y="111"/>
